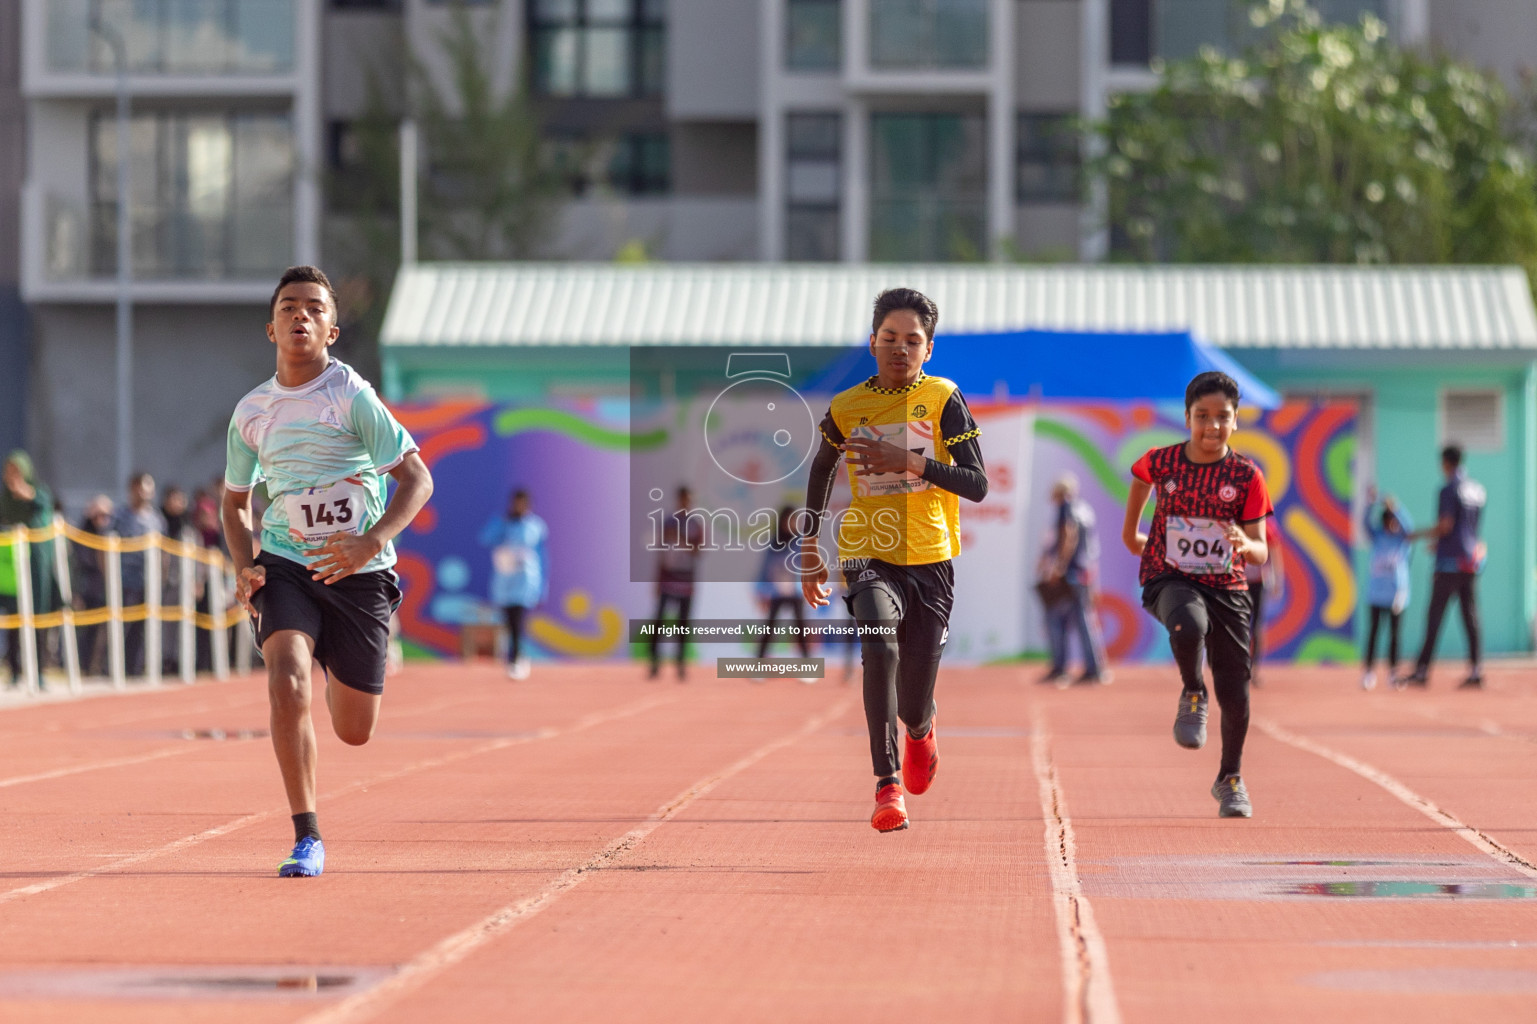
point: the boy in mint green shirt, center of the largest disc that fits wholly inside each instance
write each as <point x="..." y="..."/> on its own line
<point x="322" y="588"/>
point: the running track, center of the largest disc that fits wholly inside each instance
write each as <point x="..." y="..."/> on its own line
<point x="588" y="846"/>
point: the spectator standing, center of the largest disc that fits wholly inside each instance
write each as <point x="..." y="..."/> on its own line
<point x="682" y="539"/>
<point x="1387" y="585"/>
<point x="135" y="519"/>
<point x="1071" y="570"/>
<point x="25" y="502"/>
<point x="779" y="586"/>
<point x="90" y="585"/>
<point x="519" y="575"/>
<point x="1459" y="559"/>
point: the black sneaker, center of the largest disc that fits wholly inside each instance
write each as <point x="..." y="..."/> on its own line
<point x="1190" y="722"/>
<point x="1472" y="682"/>
<point x="1094" y="679"/>
<point x="1054" y="676"/>
<point x="1415" y="678"/>
<point x="1232" y="798"/>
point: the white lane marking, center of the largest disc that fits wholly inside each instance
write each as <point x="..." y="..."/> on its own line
<point x="1478" y="840"/>
<point x="176" y="846"/>
<point x="451" y="950"/>
<point x="1088" y="993"/>
<point x="59" y="773"/>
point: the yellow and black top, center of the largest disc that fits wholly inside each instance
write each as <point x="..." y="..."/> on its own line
<point x="903" y="518"/>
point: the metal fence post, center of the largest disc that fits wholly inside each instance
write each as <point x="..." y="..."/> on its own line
<point x="67" y="640"/>
<point x="152" y="598"/>
<point x="115" y="655"/>
<point x="186" y="655"/>
<point x="218" y="636"/>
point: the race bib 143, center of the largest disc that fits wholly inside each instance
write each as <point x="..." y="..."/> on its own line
<point x="321" y="512"/>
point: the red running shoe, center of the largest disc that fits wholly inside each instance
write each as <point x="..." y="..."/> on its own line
<point x="920" y="761"/>
<point x="890" y="812"/>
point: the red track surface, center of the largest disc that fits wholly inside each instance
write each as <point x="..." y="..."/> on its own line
<point x="587" y="846"/>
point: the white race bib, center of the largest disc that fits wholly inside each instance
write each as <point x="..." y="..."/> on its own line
<point x="1197" y="546"/>
<point x="508" y="559"/>
<point x="321" y="512"/>
<point x="915" y="436"/>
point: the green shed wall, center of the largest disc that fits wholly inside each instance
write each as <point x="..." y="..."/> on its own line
<point x="1403" y="390"/>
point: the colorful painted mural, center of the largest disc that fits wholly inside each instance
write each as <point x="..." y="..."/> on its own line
<point x="1306" y="451"/>
<point x="573" y="457"/>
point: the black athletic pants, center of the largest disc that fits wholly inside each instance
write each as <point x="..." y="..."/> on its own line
<point x="684" y="605"/>
<point x="1378" y="613"/>
<point x="794" y="604"/>
<point x="900" y="670"/>
<point x="514" y="614"/>
<point x="1443" y="587"/>
<point x="1198" y="616"/>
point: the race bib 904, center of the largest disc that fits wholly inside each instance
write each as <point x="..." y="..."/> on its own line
<point x="321" y="512"/>
<point x="1198" y="546"/>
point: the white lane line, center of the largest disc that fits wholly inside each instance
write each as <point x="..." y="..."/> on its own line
<point x="1088" y="993"/>
<point x="451" y="950"/>
<point x="1444" y="818"/>
<point x="185" y="748"/>
<point x="91" y="766"/>
<point x="176" y="846"/>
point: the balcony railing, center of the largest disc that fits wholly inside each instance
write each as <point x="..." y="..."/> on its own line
<point x="928" y="34"/>
<point x="167" y="244"/>
<point x="173" y="37"/>
<point x="1181" y="27"/>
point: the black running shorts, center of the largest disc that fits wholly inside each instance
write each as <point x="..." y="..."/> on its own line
<point x="917" y="590"/>
<point x="349" y="620"/>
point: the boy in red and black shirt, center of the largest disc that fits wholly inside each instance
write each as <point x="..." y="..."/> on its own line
<point x="1209" y="521"/>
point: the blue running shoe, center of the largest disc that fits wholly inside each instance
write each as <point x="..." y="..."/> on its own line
<point x="307" y="860"/>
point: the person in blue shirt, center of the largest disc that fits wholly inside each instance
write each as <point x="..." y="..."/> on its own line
<point x="520" y="577"/>
<point x="1391" y="533"/>
<point x="1459" y="559"/>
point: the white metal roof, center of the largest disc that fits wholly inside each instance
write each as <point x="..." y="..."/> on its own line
<point x="495" y="304"/>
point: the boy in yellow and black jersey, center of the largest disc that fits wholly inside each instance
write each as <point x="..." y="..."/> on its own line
<point x="911" y="446"/>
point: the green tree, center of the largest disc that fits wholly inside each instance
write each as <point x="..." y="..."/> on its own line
<point x="485" y="192"/>
<point x="1319" y="144"/>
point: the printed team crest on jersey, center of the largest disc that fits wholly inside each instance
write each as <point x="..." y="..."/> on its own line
<point x="867" y="576"/>
<point x="1170" y="486"/>
<point x="1227" y="492"/>
<point x="330" y="418"/>
<point x="920" y="410"/>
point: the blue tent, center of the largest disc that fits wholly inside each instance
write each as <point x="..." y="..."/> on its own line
<point x="1066" y="364"/>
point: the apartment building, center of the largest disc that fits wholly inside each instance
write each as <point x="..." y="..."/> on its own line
<point x="705" y="130"/>
<point x="13" y="318"/>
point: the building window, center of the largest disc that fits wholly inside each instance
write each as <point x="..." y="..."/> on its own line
<point x="1131" y="32"/>
<point x="1047" y="170"/>
<point x="1172" y="29"/>
<point x="928" y="195"/>
<point x="636" y="164"/>
<point x="1473" y="419"/>
<point x="941" y="34"/>
<point x="189" y="37"/>
<point x="814" y="35"/>
<point x="813" y="186"/>
<point x="598" y="48"/>
<point x="212" y="194"/>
